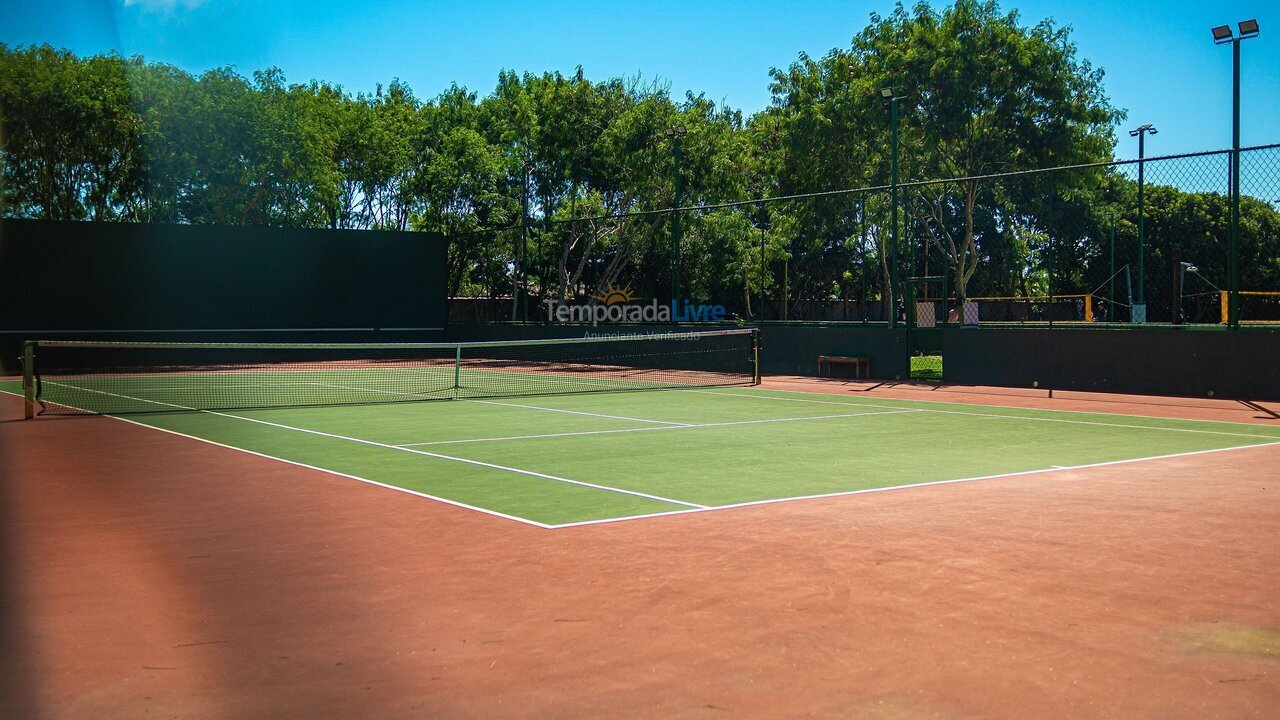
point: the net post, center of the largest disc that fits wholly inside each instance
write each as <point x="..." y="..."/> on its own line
<point x="755" y="354"/>
<point x="457" y="370"/>
<point x="29" y="380"/>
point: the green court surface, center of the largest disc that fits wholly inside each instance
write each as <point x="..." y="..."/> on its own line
<point x="558" y="460"/>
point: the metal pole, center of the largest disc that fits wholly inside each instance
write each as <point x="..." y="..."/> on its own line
<point x="1142" y="181"/>
<point x="675" y="237"/>
<point x="518" y="282"/>
<point x="524" y="273"/>
<point x="755" y="355"/>
<point x="1182" y="278"/>
<point x="945" y="301"/>
<point x="1053" y="206"/>
<point x="862" y="275"/>
<point x="29" y="380"/>
<point x="763" y="230"/>
<point x="893" y="237"/>
<point x="1233" y="244"/>
<point x="1128" y="286"/>
<point x="1111" y="284"/>
<point x="457" y="370"/>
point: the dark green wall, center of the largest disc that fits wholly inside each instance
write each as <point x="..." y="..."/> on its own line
<point x="1243" y="364"/>
<point x="60" y="279"/>
<point x="1149" y="361"/>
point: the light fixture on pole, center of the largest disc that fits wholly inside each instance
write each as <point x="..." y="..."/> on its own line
<point x="1183" y="269"/>
<point x="1141" y="132"/>
<point x="1221" y="36"/>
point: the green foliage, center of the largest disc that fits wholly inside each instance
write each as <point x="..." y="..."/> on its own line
<point x="560" y="186"/>
<point x="978" y="93"/>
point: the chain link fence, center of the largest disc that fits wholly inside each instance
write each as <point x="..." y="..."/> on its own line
<point x="1116" y="244"/>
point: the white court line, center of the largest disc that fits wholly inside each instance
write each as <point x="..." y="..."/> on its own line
<point x="992" y="415"/>
<point x="348" y="476"/>
<point x="425" y="453"/>
<point x="654" y="429"/>
<point x="216" y="386"/>
<point x="984" y="405"/>
<point x="579" y="412"/>
<point x="845" y="493"/>
<point x="703" y="508"/>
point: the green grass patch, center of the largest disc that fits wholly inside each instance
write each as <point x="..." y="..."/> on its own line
<point x="926" y="367"/>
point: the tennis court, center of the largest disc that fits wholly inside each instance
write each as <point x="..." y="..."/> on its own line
<point x="528" y="444"/>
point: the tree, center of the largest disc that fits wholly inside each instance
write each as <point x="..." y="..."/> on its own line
<point x="981" y="94"/>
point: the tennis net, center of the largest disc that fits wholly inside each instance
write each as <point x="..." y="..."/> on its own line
<point x="115" y="378"/>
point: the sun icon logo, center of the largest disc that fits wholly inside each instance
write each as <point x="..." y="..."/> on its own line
<point x="616" y="294"/>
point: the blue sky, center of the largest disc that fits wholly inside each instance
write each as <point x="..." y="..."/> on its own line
<point x="1160" y="63"/>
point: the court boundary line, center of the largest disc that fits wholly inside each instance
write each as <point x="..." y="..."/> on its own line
<point x="694" y="508"/>
<point x="425" y="453"/>
<point x="996" y="416"/>
<point x="655" y="429"/>
<point x="931" y="483"/>
<point x="994" y="407"/>
<point x="329" y="471"/>
<point x="468" y="461"/>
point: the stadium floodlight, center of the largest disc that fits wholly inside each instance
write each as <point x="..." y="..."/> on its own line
<point x="1222" y="36"/>
<point x="886" y="93"/>
<point x="1141" y="132"/>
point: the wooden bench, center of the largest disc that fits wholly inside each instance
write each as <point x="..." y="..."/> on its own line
<point x="860" y="364"/>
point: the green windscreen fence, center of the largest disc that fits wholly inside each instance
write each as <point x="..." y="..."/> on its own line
<point x="202" y="282"/>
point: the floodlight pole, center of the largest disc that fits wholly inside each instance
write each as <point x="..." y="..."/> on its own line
<point x="1142" y="184"/>
<point x="762" y="219"/>
<point x="862" y="275"/>
<point x="763" y="230"/>
<point x="1233" y="241"/>
<point x="676" y="134"/>
<point x="1141" y="134"/>
<point x="1182" y="278"/>
<point x="1111" y="284"/>
<point x="1221" y="36"/>
<point x="895" y="291"/>
<point x="520" y="293"/>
